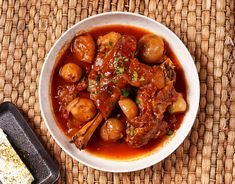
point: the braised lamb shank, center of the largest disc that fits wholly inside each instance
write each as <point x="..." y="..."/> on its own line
<point x="117" y="67"/>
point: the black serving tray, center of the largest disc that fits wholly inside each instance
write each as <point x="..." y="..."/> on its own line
<point x="27" y="145"/>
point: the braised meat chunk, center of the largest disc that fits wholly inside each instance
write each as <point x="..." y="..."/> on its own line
<point x="108" y="75"/>
<point x="149" y="124"/>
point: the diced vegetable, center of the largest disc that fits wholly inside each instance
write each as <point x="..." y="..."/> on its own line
<point x="128" y="107"/>
<point x="137" y="101"/>
<point x="178" y="106"/>
<point x="132" y="131"/>
<point x="170" y="132"/>
<point x="125" y="92"/>
<point x="135" y="76"/>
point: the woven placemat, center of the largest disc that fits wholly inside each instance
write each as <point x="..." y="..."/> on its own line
<point x="28" y="29"/>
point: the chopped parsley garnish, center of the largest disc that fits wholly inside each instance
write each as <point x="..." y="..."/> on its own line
<point x="142" y="78"/>
<point x="112" y="104"/>
<point x="83" y="78"/>
<point x="169" y="132"/>
<point x="137" y="101"/>
<point x="115" y="81"/>
<point x="97" y="78"/>
<point x="135" y="76"/>
<point x="125" y="92"/>
<point x="116" y="60"/>
<point x="75" y="94"/>
<point x="119" y="69"/>
<point x="171" y="109"/>
<point x="132" y="131"/>
<point x="91" y="84"/>
<point x="110" y="43"/>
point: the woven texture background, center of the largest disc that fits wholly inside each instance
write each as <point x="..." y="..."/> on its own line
<point x="28" y="29"/>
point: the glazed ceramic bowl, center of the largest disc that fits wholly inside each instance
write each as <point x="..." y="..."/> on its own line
<point x="183" y="56"/>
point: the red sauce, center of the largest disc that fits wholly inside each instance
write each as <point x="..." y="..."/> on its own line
<point x="117" y="150"/>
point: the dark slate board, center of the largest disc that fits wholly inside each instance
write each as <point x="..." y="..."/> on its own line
<point x="27" y="145"/>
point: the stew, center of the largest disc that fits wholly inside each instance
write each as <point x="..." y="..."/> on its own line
<point x="118" y="91"/>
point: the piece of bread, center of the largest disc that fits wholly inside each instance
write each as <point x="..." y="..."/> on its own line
<point x="12" y="169"/>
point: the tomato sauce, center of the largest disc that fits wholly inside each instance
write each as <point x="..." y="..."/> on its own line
<point x="117" y="150"/>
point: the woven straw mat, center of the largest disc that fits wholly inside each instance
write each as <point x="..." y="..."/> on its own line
<point x="28" y="29"/>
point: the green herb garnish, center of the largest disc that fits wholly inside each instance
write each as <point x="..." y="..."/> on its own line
<point x="119" y="66"/>
<point x="83" y="78"/>
<point x="171" y="109"/>
<point x="91" y="84"/>
<point x="135" y="76"/>
<point x="120" y="70"/>
<point x="112" y="104"/>
<point x="115" y="81"/>
<point x="142" y="78"/>
<point x="125" y="92"/>
<point x="169" y="132"/>
<point x="97" y="78"/>
<point x="110" y="43"/>
<point x="132" y="131"/>
<point x="137" y="101"/>
<point x="75" y="94"/>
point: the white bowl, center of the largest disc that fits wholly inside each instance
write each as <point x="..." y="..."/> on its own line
<point x="192" y="92"/>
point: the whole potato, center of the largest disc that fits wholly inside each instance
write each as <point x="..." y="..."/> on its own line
<point x="71" y="72"/>
<point x="178" y="106"/>
<point x="128" y="107"/>
<point x="151" y="49"/>
<point x="108" y="41"/>
<point x="112" y="130"/>
<point x="83" y="48"/>
<point x="83" y="110"/>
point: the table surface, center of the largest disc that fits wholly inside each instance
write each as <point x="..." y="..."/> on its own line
<point x="28" y="29"/>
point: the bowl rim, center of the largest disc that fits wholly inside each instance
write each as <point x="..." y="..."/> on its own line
<point x="157" y="160"/>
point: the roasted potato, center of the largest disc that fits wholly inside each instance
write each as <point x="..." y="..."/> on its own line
<point x="128" y="107"/>
<point x="71" y="72"/>
<point x="178" y="106"/>
<point x="107" y="42"/>
<point x="151" y="49"/>
<point x="82" y="109"/>
<point x="83" y="48"/>
<point x="112" y="130"/>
